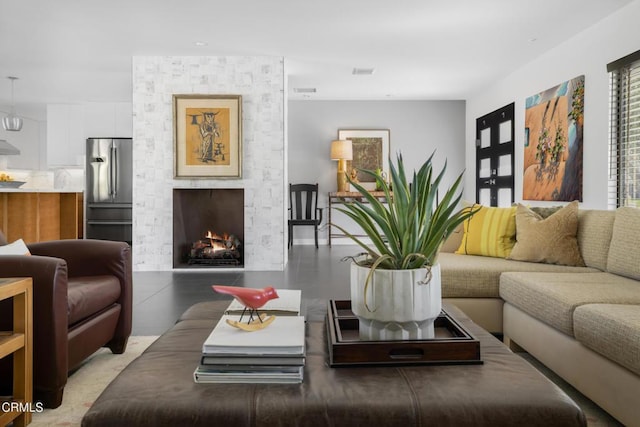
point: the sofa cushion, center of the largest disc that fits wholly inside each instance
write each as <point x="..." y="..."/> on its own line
<point x="469" y="276"/>
<point x="624" y="252"/>
<point x="89" y="295"/>
<point x="553" y="297"/>
<point x="612" y="330"/>
<point x="550" y="240"/>
<point x="489" y="232"/>
<point x="594" y="236"/>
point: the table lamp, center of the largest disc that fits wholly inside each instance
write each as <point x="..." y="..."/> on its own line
<point x="341" y="150"/>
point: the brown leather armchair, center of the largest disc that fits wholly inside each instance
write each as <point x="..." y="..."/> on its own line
<point x="81" y="302"/>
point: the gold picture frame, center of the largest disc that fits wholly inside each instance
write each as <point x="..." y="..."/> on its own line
<point x="207" y="136"/>
<point x="370" y="151"/>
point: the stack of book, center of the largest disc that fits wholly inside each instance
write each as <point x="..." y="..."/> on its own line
<point x="275" y="354"/>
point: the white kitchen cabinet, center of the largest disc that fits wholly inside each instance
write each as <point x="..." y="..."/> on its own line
<point x="108" y="120"/>
<point x="124" y="120"/>
<point x="69" y="126"/>
<point x="65" y="134"/>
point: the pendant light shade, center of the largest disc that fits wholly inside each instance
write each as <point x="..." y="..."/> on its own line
<point x="12" y="122"/>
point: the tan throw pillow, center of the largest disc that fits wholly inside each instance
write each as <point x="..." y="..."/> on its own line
<point x="550" y="240"/>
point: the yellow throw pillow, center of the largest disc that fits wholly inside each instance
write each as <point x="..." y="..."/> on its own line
<point x="550" y="240"/>
<point x="489" y="232"/>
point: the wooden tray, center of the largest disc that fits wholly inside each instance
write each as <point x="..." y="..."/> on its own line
<point x="451" y="345"/>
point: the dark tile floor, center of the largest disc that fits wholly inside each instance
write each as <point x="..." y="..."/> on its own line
<point x="159" y="298"/>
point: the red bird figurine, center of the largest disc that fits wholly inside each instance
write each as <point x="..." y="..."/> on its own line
<point x="249" y="297"/>
<point x="252" y="299"/>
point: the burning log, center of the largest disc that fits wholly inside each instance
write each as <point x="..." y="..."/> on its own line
<point x="216" y="247"/>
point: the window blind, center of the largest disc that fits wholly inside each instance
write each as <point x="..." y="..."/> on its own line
<point x="624" y="132"/>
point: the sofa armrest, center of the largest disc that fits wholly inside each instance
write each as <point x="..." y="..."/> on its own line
<point x="50" y="312"/>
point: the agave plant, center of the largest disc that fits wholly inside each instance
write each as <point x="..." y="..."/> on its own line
<point x="408" y="230"/>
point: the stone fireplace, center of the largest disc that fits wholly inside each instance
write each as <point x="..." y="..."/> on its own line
<point x="261" y="83"/>
<point x="208" y="228"/>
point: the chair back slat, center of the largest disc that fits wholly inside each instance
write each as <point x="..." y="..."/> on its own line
<point x="303" y="201"/>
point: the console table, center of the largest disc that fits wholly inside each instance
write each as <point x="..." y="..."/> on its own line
<point x="18" y="342"/>
<point x="342" y="197"/>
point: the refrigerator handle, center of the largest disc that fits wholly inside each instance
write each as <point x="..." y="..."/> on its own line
<point x="114" y="171"/>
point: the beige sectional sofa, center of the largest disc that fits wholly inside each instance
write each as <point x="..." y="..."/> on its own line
<point x="581" y="322"/>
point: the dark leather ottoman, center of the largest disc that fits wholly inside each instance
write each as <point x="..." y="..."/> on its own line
<point x="157" y="389"/>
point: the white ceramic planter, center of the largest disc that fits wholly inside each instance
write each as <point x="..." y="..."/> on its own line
<point x="398" y="306"/>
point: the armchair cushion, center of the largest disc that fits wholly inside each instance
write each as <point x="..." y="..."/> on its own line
<point x="88" y="295"/>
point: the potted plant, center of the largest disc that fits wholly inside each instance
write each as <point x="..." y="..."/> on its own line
<point x="395" y="284"/>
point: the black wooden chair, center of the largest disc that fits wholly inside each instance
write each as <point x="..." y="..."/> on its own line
<point x="303" y="208"/>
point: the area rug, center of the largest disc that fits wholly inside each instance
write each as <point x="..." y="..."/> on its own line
<point x="87" y="382"/>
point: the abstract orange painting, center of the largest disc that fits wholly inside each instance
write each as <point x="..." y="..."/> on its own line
<point x="554" y="121"/>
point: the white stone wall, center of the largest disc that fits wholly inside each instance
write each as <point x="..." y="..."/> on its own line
<point x="260" y="81"/>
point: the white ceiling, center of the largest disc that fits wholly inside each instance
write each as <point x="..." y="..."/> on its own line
<point x="77" y="51"/>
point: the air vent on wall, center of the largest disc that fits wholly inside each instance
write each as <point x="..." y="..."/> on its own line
<point x="362" y="71"/>
<point x="304" y="89"/>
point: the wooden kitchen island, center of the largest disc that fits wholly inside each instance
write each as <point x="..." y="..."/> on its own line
<point x="40" y="215"/>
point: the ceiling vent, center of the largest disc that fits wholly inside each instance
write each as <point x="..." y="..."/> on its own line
<point x="362" y="71"/>
<point x="304" y="89"/>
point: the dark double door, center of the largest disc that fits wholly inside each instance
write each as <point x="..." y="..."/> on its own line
<point x="495" y="158"/>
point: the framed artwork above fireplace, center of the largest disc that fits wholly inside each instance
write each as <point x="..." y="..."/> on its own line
<point x="207" y="136"/>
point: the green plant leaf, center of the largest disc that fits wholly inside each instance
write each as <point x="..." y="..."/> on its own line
<point x="408" y="230"/>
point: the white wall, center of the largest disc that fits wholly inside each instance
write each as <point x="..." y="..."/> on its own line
<point x="417" y="128"/>
<point x="260" y="82"/>
<point x="586" y="53"/>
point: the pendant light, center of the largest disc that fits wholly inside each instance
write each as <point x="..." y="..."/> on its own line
<point x="12" y="122"/>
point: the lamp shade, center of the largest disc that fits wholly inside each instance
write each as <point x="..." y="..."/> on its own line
<point x="341" y="149"/>
<point x="12" y="123"/>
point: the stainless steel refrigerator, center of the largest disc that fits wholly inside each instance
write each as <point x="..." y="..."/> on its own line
<point x="108" y="193"/>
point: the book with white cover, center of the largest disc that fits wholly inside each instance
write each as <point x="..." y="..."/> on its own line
<point x="287" y="303"/>
<point x="248" y="369"/>
<point x="225" y="359"/>
<point x="284" y="336"/>
<point x="296" y="377"/>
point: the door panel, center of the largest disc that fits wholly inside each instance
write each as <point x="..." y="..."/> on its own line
<point x="122" y="171"/>
<point x="494" y="158"/>
<point x="98" y="169"/>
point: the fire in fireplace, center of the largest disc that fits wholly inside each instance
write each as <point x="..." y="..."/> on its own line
<point x="216" y="250"/>
<point x="196" y="210"/>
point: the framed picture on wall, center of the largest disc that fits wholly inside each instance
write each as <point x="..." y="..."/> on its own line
<point x="207" y="136"/>
<point x="370" y="151"/>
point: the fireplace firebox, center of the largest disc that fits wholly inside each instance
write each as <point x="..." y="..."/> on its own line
<point x="208" y="228"/>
